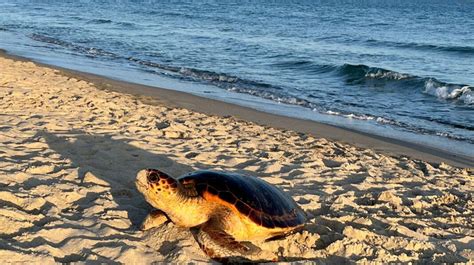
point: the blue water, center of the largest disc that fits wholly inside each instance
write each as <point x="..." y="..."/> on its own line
<point x="404" y="67"/>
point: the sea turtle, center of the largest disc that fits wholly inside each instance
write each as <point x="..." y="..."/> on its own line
<point x="232" y="210"/>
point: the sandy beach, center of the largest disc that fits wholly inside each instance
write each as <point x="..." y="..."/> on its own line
<point x="71" y="145"/>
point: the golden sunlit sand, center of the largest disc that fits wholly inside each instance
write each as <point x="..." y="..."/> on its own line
<point x="69" y="153"/>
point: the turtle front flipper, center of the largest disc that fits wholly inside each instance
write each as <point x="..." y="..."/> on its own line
<point x="221" y="246"/>
<point x="154" y="219"/>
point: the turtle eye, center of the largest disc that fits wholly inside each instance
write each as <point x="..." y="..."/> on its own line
<point x="153" y="177"/>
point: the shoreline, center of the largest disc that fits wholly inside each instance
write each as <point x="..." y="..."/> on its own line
<point x="172" y="98"/>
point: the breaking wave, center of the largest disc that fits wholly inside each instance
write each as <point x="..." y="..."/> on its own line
<point x="363" y="74"/>
<point x="449" y="91"/>
<point x="367" y="75"/>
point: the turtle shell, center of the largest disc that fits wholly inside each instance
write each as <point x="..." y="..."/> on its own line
<point x="262" y="202"/>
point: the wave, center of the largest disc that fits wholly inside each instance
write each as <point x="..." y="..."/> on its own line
<point x="374" y="76"/>
<point x="423" y="46"/>
<point x="232" y="83"/>
<point x="88" y="51"/>
<point x="305" y="65"/>
<point x="189" y="73"/>
<point x="449" y="91"/>
<point x="222" y="80"/>
<point x="353" y="73"/>
<point x="363" y="74"/>
<point x="364" y="117"/>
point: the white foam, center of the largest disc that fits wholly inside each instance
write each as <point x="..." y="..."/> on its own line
<point x="387" y="75"/>
<point x="467" y="96"/>
<point x="383" y="120"/>
<point x="330" y="112"/>
<point x="449" y="91"/>
<point x="350" y="116"/>
<point x="359" y="117"/>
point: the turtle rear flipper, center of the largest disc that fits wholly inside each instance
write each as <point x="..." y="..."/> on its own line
<point x="221" y="246"/>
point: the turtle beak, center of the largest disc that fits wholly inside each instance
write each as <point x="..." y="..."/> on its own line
<point x="141" y="180"/>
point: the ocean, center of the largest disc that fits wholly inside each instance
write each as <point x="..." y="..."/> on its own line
<point x="401" y="69"/>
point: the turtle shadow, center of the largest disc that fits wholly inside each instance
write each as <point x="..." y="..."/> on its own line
<point x="114" y="163"/>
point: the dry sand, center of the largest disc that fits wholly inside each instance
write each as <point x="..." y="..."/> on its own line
<point x="69" y="153"/>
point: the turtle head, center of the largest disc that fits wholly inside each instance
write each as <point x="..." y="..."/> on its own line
<point x="158" y="187"/>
